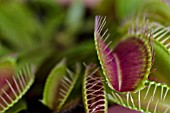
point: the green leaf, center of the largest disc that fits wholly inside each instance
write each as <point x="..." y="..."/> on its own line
<point x="75" y="16"/>
<point x="123" y="10"/>
<point x="18" y="29"/>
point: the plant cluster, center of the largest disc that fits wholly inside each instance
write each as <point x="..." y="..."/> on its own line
<point x="130" y="70"/>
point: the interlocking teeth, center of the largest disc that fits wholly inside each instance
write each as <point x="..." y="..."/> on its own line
<point x="94" y="91"/>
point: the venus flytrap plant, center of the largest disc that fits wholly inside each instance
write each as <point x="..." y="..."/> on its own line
<point x="94" y="93"/>
<point x="162" y="50"/>
<point x="153" y="98"/>
<point x="71" y="85"/>
<point x="160" y="34"/>
<point x="13" y="85"/>
<point x="127" y="67"/>
<point x="52" y="85"/>
<point x="59" y="88"/>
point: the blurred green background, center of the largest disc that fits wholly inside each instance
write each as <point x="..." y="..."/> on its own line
<point x="34" y="30"/>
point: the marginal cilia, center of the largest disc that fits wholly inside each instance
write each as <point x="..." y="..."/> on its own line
<point x="15" y="87"/>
